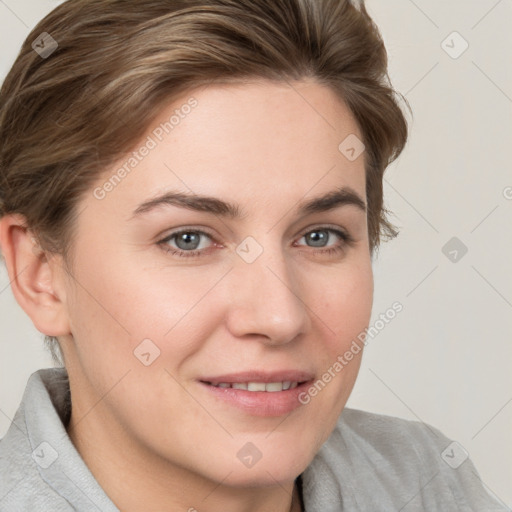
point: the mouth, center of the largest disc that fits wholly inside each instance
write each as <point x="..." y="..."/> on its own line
<point x="259" y="394"/>
<point x="269" y="387"/>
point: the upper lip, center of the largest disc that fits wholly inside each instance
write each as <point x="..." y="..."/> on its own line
<point x="261" y="376"/>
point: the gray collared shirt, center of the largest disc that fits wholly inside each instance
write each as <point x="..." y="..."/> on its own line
<point x="370" y="463"/>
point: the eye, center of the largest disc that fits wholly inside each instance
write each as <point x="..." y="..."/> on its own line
<point x="188" y="241"/>
<point x="320" y="236"/>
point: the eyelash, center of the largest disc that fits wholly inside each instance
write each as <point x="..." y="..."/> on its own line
<point x="347" y="240"/>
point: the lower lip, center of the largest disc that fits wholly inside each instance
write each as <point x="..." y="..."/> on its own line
<point x="260" y="403"/>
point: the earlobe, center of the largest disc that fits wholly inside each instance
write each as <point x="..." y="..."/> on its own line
<point x="33" y="277"/>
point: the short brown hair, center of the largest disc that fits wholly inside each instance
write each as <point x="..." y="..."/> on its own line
<point x="66" y="117"/>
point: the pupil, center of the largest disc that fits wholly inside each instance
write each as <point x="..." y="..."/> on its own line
<point x="187" y="238"/>
<point x="320" y="238"/>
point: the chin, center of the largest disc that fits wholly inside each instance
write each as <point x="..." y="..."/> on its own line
<point x="263" y="475"/>
<point x="263" y="463"/>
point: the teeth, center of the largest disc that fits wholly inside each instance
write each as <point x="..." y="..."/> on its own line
<point x="259" y="386"/>
<point x="256" y="386"/>
<point x="274" y="386"/>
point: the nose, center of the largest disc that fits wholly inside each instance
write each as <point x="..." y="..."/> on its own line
<point x="266" y="299"/>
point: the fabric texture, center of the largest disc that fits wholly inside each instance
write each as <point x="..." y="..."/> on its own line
<point x="370" y="462"/>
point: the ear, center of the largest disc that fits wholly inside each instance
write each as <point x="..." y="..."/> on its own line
<point x="35" y="278"/>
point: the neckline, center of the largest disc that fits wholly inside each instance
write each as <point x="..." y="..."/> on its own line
<point x="300" y="489"/>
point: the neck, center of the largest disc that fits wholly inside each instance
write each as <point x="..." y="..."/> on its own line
<point x="136" y="479"/>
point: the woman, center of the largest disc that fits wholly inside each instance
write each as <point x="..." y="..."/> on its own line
<point x="211" y="377"/>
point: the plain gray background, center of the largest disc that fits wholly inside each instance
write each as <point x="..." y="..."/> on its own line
<point x="446" y="358"/>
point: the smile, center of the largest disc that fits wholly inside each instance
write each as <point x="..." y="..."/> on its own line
<point x="258" y="386"/>
<point x="269" y="399"/>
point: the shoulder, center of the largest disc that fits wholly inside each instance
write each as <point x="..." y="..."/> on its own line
<point x="377" y="462"/>
<point x="386" y="433"/>
<point x="22" y="486"/>
<point x="385" y="446"/>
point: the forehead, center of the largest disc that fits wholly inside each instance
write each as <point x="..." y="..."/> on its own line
<point x="257" y="141"/>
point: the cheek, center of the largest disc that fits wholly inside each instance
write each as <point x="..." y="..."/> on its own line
<point x="345" y="305"/>
<point x="344" y="311"/>
<point x="124" y="295"/>
<point x="121" y="303"/>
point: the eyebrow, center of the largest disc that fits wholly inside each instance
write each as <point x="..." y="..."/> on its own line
<point x="334" y="199"/>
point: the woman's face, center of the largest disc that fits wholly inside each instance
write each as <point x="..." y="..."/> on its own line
<point x="272" y="294"/>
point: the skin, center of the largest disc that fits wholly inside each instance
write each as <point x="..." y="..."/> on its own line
<point x="151" y="435"/>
